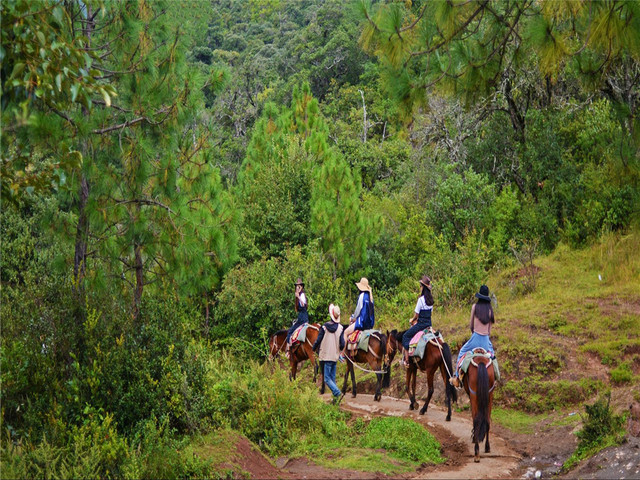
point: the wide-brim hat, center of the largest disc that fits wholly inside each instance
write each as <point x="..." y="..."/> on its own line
<point x="483" y="294"/>
<point x="426" y="281"/>
<point x="334" y="313"/>
<point x="299" y="282"/>
<point x="363" y="285"/>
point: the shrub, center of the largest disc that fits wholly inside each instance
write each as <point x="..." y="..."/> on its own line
<point x="601" y="428"/>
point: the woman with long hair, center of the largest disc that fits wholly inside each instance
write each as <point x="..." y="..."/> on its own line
<point x="481" y="320"/>
<point x="421" y="318"/>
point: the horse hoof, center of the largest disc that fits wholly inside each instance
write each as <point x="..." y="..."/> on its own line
<point x="411" y="406"/>
<point x="353" y="395"/>
<point x="448" y="419"/>
<point x="476" y="459"/>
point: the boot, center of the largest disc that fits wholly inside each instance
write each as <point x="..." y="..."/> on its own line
<point x="405" y="360"/>
<point x="455" y="381"/>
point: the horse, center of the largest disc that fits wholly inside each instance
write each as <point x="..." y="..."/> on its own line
<point x="479" y="382"/>
<point x="375" y="357"/>
<point x="434" y="357"/>
<point x="298" y="352"/>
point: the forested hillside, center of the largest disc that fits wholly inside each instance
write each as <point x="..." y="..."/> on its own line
<point x="169" y="168"/>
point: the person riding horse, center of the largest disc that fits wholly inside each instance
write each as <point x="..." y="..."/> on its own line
<point x="481" y="320"/>
<point x="301" y="309"/>
<point x="422" y="316"/>
<point x="364" y="317"/>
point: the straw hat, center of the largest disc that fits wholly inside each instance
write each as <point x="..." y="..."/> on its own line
<point x="299" y="282"/>
<point x="426" y="281"/>
<point x="334" y="313"/>
<point x="363" y="285"/>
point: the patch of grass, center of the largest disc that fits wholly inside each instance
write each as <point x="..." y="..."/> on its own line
<point x="569" y="419"/>
<point x="515" y="420"/>
<point x="537" y="395"/>
<point x="364" y="460"/>
<point x="622" y="373"/>
<point x="403" y="439"/>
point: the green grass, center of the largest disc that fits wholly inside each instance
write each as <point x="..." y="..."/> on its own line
<point x="515" y="420"/>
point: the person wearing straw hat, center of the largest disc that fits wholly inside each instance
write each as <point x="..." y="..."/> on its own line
<point x="301" y="309"/>
<point x="364" y="316"/>
<point x="421" y="319"/>
<point x="480" y="324"/>
<point x="330" y="343"/>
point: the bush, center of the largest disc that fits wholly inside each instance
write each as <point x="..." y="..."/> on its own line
<point x="601" y="428"/>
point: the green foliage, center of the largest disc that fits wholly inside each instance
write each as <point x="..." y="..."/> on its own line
<point x="259" y="297"/>
<point x="601" y="428"/>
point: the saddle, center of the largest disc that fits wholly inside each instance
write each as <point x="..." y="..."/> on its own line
<point x="418" y="343"/>
<point x="359" y="340"/>
<point x="468" y="358"/>
<point x="299" y="335"/>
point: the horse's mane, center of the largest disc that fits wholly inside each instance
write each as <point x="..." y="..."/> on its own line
<point x="279" y="332"/>
<point x="398" y="335"/>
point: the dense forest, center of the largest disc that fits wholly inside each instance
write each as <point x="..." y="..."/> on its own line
<point x="169" y="168"/>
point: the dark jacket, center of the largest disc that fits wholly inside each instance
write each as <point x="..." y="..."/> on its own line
<point x="331" y="327"/>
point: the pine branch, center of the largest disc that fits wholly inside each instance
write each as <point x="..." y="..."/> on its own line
<point x="135" y="121"/>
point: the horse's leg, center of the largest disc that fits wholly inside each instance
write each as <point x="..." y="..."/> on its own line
<point x="445" y="381"/>
<point x="346" y="379"/>
<point x="430" y="374"/>
<point x="414" y="375"/>
<point x="408" y="383"/>
<point x="352" y="369"/>
<point x="374" y="363"/>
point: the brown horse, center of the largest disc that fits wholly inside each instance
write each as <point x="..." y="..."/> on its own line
<point x="434" y="357"/>
<point x="299" y="352"/>
<point x="479" y="383"/>
<point x="375" y="357"/>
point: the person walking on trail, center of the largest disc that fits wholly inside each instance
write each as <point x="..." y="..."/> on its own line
<point x="301" y="309"/>
<point x="421" y="319"/>
<point x="330" y="343"/>
<point x="364" y="316"/>
<point x="481" y="320"/>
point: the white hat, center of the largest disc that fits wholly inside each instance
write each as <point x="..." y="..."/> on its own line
<point x="334" y="313"/>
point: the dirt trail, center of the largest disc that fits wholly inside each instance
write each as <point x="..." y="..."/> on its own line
<point x="501" y="462"/>
<point x="455" y="437"/>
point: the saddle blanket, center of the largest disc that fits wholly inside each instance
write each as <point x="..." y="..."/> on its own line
<point x="465" y="361"/>
<point x="299" y="334"/>
<point x="418" y="343"/>
<point x="359" y="339"/>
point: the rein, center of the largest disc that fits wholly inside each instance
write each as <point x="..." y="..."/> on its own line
<point x="363" y="369"/>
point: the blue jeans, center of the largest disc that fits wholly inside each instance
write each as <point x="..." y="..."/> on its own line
<point x="302" y="319"/>
<point x="408" y="335"/>
<point x="476" y="341"/>
<point x="330" y="377"/>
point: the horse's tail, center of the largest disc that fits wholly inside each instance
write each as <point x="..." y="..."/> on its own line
<point x="481" y="421"/>
<point x="451" y="390"/>
<point x="386" y="379"/>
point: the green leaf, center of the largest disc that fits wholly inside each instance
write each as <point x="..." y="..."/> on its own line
<point x="105" y="95"/>
<point x="74" y="91"/>
<point x="17" y="69"/>
<point x="59" y="82"/>
<point x="41" y="38"/>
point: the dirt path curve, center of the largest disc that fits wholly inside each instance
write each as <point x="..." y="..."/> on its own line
<point x="455" y="436"/>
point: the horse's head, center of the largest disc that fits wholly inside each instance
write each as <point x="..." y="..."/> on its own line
<point x="392" y="345"/>
<point x="276" y="343"/>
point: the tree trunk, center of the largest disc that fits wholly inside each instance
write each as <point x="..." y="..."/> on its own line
<point x="138" y="266"/>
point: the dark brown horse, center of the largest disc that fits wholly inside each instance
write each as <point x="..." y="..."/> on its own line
<point x="299" y="352"/>
<point x="375" y="358"/>
<point x="479" y="384"/>
<point x="434" y="357"/>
